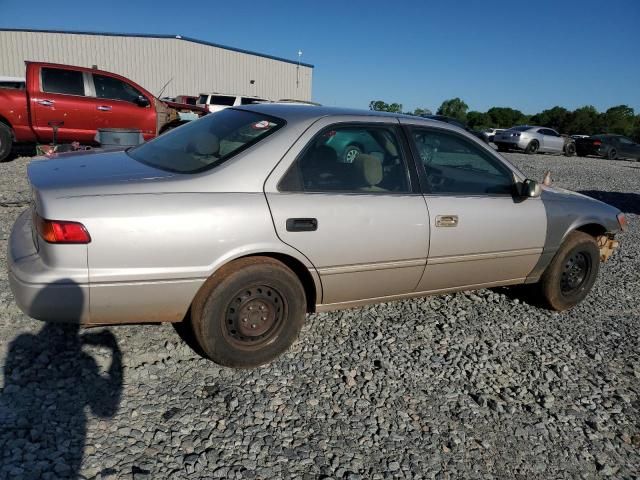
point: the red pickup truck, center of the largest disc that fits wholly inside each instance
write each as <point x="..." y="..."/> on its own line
<point x="79" y="101"/>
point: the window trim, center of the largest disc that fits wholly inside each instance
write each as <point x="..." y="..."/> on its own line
<point x="81" y="72"/>
<point x="424" y="183"/>
<point x="405" y="151"/>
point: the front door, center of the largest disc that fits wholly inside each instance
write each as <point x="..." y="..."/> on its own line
<point x="551" y="141"/>
<point x="481" y="232"/>
<point x="362" y="222"/>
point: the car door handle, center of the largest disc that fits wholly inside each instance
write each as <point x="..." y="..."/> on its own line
<point x="446" y="221"/>
<point x="302" y="224"/>
<point x="46" y="103"/>
<point x="103" y="108"/>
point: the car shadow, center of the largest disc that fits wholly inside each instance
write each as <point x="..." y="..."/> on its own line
<point x="50" y="382"/>
<point x="625" y="202"/>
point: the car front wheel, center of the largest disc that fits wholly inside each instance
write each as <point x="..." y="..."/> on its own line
<point x="570" y="149"/>
<point x="249" y="312"/>
<point x="532" y="147"/>
<point x="572" y="272"/>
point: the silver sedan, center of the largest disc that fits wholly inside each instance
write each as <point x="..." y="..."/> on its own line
<point x="534" y="140"/>
<point x="240" y="223"/>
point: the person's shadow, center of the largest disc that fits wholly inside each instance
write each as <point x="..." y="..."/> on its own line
<point x="49" y="381"/>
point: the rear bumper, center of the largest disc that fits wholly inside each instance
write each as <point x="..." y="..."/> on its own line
<point x="511" y="142"/>
<point x="42" y="292"/>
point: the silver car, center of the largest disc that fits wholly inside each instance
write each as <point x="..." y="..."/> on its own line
<point x="534" y="140"/>
<point x="241" y="222"/>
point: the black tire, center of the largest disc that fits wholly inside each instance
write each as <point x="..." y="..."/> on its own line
<point x="612" y="154"/>
<point x="572" y="272"/>
<point x="502" y="148"/>
<point x="6" y="142"/>
<point x="249" y="312"/>
<point x="350" y="153"/>
<point x="532" y="148"/>
<point x="570" y="149"/>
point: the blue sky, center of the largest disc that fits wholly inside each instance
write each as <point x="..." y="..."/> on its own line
<point x="526" y="55"/>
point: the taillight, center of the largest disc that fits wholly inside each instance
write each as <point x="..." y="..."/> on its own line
<point x="58" y="231"/>
<point x="597" y="143"/>
<point x="622" y="221"/>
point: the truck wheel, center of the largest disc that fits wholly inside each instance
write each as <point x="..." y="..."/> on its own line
<point x="249" y="312"/>
<point x="532" y="147"/>
<point x="6" y="142"/>
<point x="570" y="149"/>
<point x="572" y="272"/>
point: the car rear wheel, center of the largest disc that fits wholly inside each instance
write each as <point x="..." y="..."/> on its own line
<point x="249" y="312"/>
<point x="502" y="148"/>
<point x="570" y="149"/>
<point x="6" y="142"/>
<point x="532" y="147"/>
<point x="612" y="154"/>
<point x="572" y="272"/>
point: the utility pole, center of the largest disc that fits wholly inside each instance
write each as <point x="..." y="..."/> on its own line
<point x="298" y="69"/>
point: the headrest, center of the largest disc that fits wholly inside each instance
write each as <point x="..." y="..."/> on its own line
<point x="370" y="168"/>
<point x="206" y="143"/>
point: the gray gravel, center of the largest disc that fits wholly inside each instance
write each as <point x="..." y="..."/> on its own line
<point x="473" y="385"/>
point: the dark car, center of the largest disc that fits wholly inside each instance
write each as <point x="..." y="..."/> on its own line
<point x="458" y="123"/>
<point x="608" y="146"/>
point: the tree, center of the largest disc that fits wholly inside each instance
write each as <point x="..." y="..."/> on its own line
<point x="380" y="106"/>
<point x="421" y="111"/>
<point x="503" y="117"/>
<point x="478" y="120"/>
<point x="557" y="118"/>
<point x="455" y="108"/>
<point x="584" y="121"/>
<point x="619" y="119"/>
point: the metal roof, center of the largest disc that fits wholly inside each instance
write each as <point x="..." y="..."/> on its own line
<point x="160" y="36"/>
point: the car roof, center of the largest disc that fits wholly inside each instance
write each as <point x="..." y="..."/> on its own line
<point x="300" y="112"/>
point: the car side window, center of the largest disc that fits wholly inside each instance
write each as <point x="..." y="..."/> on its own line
<point x="625" y="141"/>
<point x="453" y="165"/>
<point x="113" y="89"/>
<point x="66" y="82"/>
<point x="350" y="159"/>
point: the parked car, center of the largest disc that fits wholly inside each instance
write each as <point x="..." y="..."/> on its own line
<point x="490" y="133"/>
<point x="575" y="137"/>
<point x="458" y="123"/>
<point x="187" y="99"/>
<point x="608" y="146"/>
<point x="240" y="223"/>
<point x="78" y="101"/>
<point x="533" y="139"/>
<point x="215" y="102"/>
<point x="12" y="82"/>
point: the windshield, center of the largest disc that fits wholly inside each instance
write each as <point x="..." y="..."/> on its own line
<point x="206" y="143"/>
<point x="202" y="99"/>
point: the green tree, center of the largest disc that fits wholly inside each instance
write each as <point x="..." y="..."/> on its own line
<point x="584" y="121"/>
<point x="381" y="106"/>
<point x="619" y="119"/>
<point x="421" y="111"/>
<point x="557" y="118"/>
<point x="478" y="120"/>
<point x="504" y="117"/>
<point x="455" y="108"/>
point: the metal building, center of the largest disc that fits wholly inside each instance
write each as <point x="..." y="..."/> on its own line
<point x="189" y="66"/>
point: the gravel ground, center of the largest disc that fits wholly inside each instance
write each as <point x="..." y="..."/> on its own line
<point x="472" y="385"/>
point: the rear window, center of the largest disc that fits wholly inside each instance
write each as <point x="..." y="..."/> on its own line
<point x="68" y="82"/>
<point x="222" y="100"/>
<point x="520" y="129"/>
<point x="206" y="143"/>
<point x="248" y="101"/>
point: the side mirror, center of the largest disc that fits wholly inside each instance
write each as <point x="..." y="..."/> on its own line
<point x="142" y="101"/>
<point x="530" y="188"/>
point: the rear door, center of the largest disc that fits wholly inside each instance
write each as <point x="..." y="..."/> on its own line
<point x="118" y="104"/>
<point x="363" y="225"/>
<point x="481" y="233"/>
<point x="61" y="101"/>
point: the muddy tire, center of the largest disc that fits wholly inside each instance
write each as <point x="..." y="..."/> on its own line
<point x="572" y="272"/>
<point x="249" y="312"/>
<point x="6" y="142"/>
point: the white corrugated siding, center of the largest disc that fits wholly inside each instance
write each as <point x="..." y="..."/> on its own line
<point x="151" y="62"/>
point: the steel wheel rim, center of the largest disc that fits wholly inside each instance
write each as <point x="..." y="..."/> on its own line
<point x="254" y="316"/>
<point x="575" y="273"/>
<point x="351" y="155"/>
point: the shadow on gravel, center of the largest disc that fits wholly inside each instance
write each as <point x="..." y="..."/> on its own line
<point x="626" y="202"/>
<point x="49" y="380"/>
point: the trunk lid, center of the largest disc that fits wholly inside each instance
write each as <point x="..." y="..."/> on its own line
<point x="106" y="173"/>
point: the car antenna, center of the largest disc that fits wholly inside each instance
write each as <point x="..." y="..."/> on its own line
<point x="547" y="178"/>
<point x="165" y="86"/>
